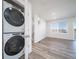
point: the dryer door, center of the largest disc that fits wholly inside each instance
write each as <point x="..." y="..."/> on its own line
<point x="14" y="45"/>
<point x="14" y="16"/>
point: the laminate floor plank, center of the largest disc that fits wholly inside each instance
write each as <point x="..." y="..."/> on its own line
<point x="54" y="48"/>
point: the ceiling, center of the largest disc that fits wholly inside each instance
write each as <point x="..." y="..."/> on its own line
<point x="53" y="9"/>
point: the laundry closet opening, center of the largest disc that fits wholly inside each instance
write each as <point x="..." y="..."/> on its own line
<point x="13" y="30"/>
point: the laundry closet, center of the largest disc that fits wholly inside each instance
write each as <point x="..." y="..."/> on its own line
<point x="17" y="29"/>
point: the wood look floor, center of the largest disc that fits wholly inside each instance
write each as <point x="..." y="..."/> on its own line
<point x="52" y="48"/>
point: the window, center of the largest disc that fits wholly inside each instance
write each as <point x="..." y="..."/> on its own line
<point x="54" y="27"/>
<point x="60" y="27"/>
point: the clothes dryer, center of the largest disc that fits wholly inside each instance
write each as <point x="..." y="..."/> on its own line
<point x="13" y="18"/>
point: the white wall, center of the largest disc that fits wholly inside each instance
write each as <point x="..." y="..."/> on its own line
<point x="39" y="29"/>
<point x="68" y="35"/>
<point x="28" y="27"/>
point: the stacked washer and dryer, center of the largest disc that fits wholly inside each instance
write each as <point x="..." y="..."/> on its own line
<point x="13" y="32"/>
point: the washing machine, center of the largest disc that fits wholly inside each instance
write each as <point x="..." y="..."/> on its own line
<point x="13" y="18"/>
<point x="13" y="47"/>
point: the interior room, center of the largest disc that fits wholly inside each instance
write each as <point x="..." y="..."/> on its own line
<point x="46" y="29"/>
<point x="54" y="29"/>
